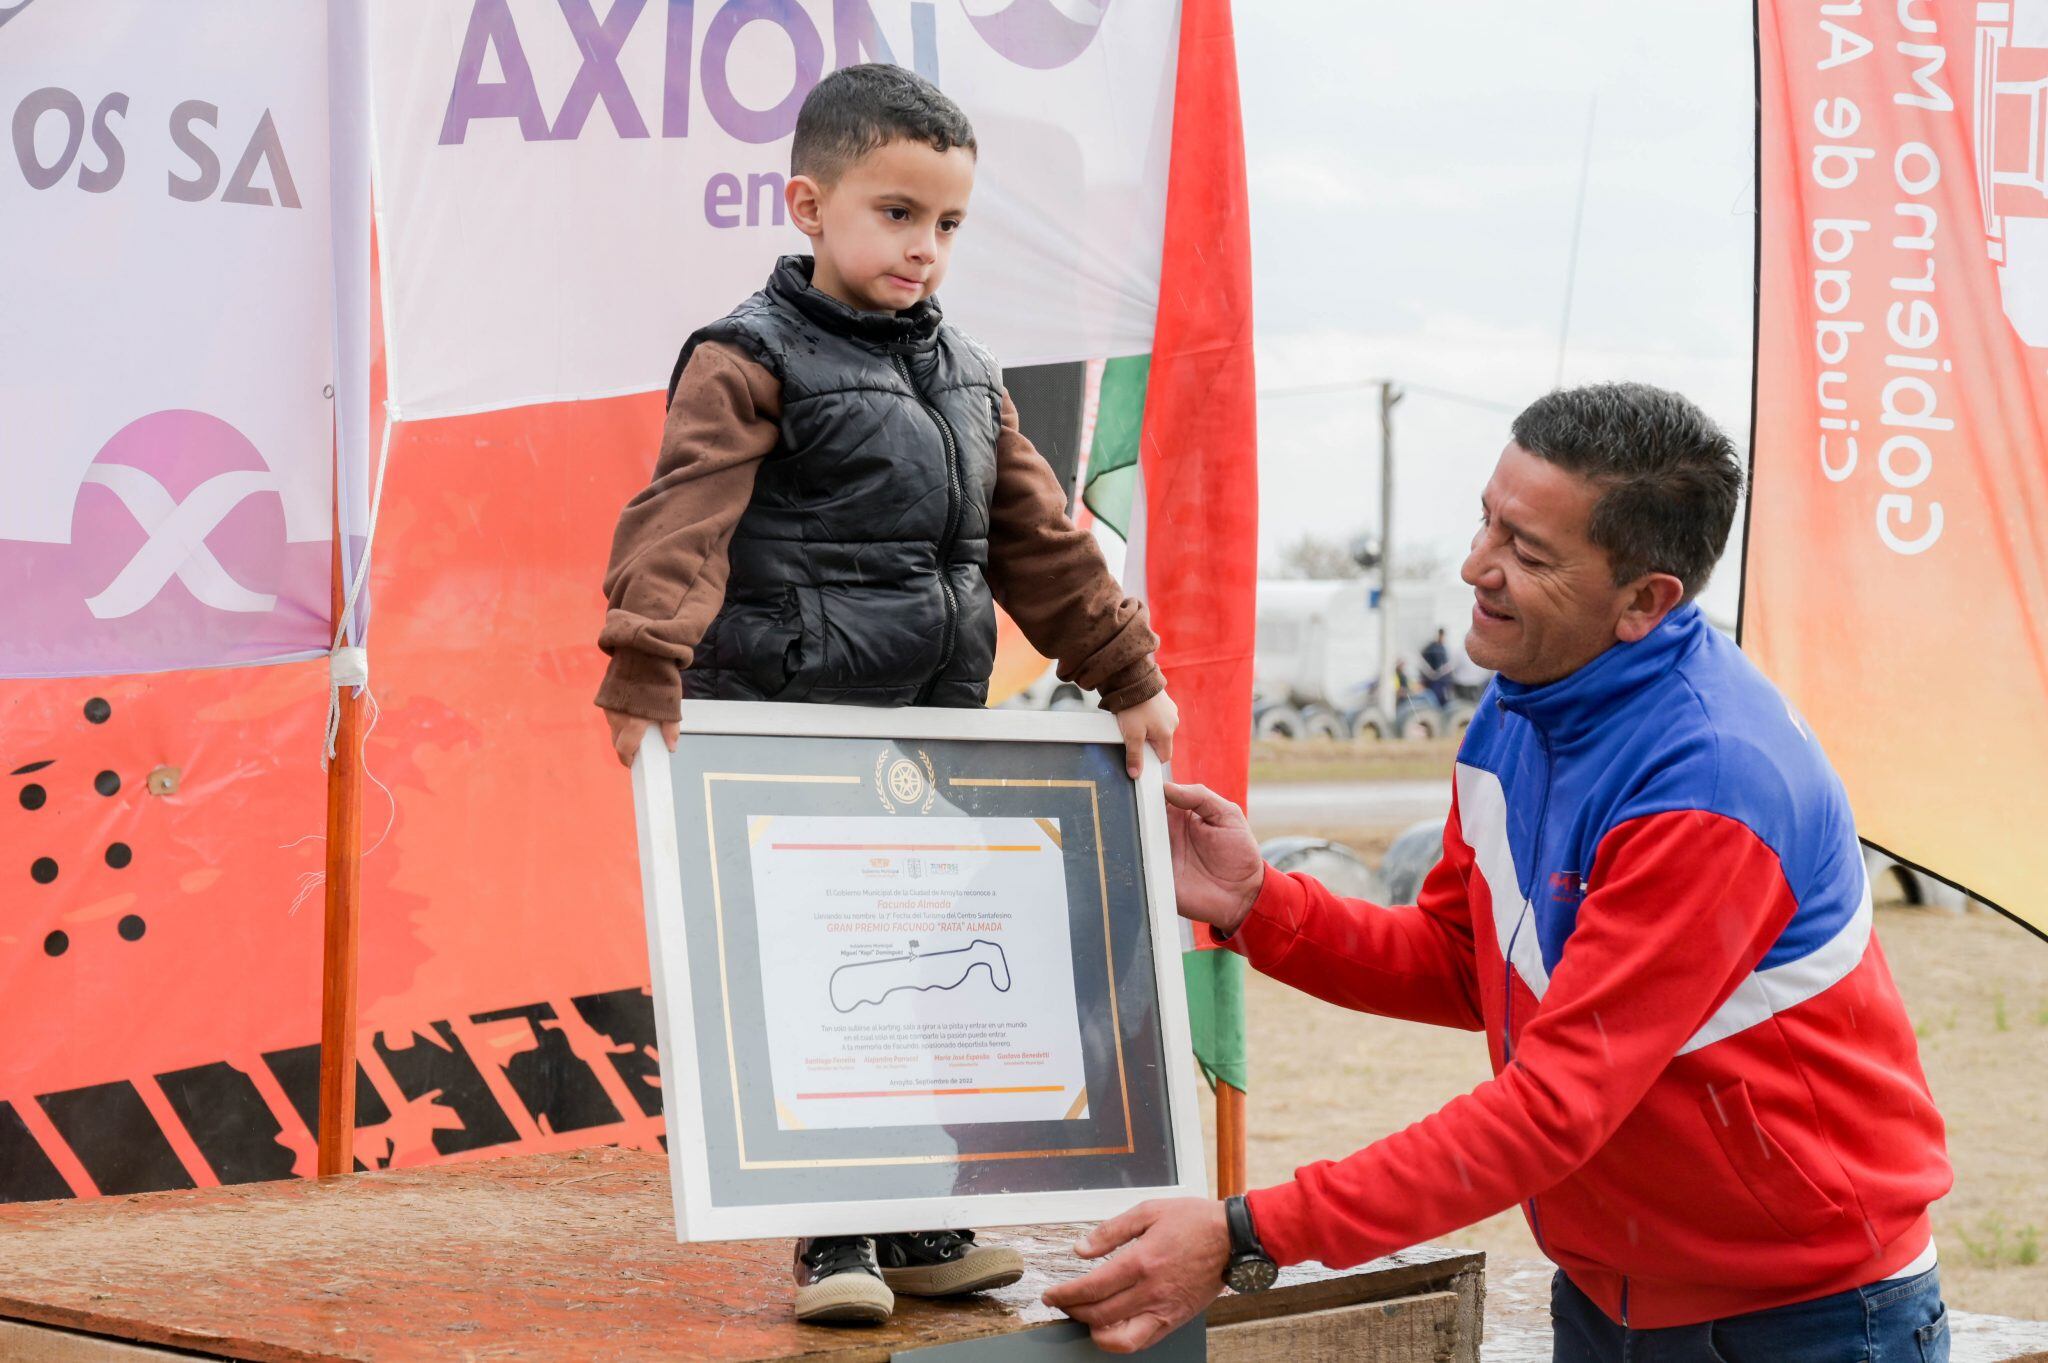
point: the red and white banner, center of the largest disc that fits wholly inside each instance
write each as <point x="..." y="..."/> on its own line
<point x="1896" y="582"/>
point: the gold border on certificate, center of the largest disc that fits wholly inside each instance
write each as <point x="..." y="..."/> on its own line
<point x="725" y="990"/>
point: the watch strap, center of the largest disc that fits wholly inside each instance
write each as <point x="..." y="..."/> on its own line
<point x="1244" y="1236"/>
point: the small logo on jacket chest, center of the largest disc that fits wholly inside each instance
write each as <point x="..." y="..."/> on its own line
<point x="1566" y="887"/>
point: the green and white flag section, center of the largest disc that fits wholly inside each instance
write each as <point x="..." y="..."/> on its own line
<point x="1173" y="467"/>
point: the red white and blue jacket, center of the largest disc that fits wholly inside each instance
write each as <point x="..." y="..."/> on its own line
<point x="1706" y="1093"/>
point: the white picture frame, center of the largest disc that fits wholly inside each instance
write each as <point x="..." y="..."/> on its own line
<point x="698" y="1215"/>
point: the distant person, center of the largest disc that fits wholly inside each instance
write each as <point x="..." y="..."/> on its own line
<point x="1707" y="1097"/>
<point x="1436" y="668"/>
<point x="834" y="440"/>
<point x="1468" y="679"/>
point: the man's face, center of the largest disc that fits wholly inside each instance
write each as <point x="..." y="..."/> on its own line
<point x="1545" y="603"/>
<point x="883" y="233"/>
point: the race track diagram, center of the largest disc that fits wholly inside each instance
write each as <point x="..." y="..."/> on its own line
<point x="873" y="982"/>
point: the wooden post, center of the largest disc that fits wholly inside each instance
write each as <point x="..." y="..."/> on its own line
<point x="338" y="951"/>
<point x="1231" y="1176"/>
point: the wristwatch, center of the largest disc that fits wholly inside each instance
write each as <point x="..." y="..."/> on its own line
<point x="1250" y="1268"/>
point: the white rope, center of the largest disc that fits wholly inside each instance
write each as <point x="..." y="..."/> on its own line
<point x="311" y="881"/>
<point x="350" y="666"/>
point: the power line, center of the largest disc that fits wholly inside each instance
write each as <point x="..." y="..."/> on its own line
<point x="1450" y="395"/>
<point x="1312" y="389"/>
<point x="1354" y="385"/>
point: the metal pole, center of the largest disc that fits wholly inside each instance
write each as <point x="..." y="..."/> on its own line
<point x="1390" y="396"/>
<point x="1571" y="269"/>
<point x="339" y="942"/>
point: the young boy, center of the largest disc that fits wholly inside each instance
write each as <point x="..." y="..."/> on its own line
<point x="842" y="498"/>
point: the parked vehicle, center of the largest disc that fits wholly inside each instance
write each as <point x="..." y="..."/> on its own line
<point x="1316" y="671"/>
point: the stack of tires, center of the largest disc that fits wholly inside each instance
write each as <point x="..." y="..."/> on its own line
<point x="1415" y="721"/>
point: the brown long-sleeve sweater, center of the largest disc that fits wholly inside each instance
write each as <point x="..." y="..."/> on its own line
<point x="667" y="576"/>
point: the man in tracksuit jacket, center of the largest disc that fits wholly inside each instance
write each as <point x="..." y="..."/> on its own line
<point x="1706" y="1094"/>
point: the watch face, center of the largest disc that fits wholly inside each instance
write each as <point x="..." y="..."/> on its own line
<point x="1250" y="1274"/>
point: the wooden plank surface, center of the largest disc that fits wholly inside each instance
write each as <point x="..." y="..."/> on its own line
<point x="1419" y="1329"/>
<point x="543" y="1257"/>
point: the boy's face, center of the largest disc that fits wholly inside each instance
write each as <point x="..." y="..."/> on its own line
<point x="884" y="231"/>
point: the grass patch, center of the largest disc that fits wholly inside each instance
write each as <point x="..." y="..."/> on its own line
<point x="1363" y="760"/>
<point x="1993" y="1244"/>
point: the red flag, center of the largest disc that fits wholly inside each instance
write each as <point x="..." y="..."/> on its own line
<point x="1199" y="449"/>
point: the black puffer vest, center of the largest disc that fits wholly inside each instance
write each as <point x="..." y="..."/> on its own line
<point x="858" y="570"/>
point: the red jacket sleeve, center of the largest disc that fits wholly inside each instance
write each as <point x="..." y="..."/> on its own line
<point x="1411" y="961"/>
<point x="1684" y="906"/>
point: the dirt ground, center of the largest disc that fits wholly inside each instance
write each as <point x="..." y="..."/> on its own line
<point x="1325" y="1082"/>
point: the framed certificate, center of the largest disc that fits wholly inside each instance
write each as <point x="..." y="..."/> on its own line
<point x="912" y="969"/>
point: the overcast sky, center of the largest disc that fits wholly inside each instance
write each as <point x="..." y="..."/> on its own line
<point x="1414" y="170"/>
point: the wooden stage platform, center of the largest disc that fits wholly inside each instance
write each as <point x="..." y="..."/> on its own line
<point x="570" y="1258"/>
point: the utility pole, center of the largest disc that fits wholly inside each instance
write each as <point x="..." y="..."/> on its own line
<point x="1390" y="396"/>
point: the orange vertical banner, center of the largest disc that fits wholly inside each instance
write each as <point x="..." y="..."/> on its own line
<point x="1896" y="569"/>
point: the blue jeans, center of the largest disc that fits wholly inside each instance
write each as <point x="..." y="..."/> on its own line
<point x="1900" y="1321"/>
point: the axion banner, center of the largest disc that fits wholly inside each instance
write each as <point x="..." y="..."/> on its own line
<point x="177" y="221"/>
<point x="1896" y="581"/>
<point x="567" y="187"/>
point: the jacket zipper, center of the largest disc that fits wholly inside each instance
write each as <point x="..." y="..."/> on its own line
<point x="1527" y="918"/>
<point x="954" y="497"/>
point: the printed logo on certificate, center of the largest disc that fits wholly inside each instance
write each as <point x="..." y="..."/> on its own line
<point x="906" y="971"/>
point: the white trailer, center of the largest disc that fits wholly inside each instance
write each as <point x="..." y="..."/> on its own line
<point x="1318" y="652"/>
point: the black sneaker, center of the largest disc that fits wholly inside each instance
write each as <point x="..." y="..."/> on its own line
<point x="944" y="1263"/>
<point x="837" y="1279"/>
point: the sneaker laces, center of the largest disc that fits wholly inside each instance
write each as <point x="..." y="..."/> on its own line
<point x="947" y="1244"/>
<point x="830" y="1255"/>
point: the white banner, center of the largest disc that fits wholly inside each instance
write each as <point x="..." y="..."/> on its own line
<point x="167" y="375"/>
<point x="567" y="188"/>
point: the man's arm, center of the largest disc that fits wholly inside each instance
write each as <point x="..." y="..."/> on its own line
<point x="1408" y="961"/>
<point x="667" y="574"/>
<point x="1050" y="576"/>
<point x="1686" y="904"/>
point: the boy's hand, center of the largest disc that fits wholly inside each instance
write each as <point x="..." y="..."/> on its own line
<point x="1152" y="722"/>
<point x="627" y="731"/>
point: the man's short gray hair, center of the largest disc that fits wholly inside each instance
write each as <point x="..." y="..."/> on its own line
<point x="1668" y="477"/>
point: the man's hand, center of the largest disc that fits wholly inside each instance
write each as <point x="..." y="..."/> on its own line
<point x="1151" y="722"/>
<point x="627" y="731"/>
<point x="1217" y="869"/>
<point x="1170" y="1267"/>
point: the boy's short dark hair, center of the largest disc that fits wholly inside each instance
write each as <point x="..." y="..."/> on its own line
<point x="1668" y="477"/>
<point x="857" y="109"/>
